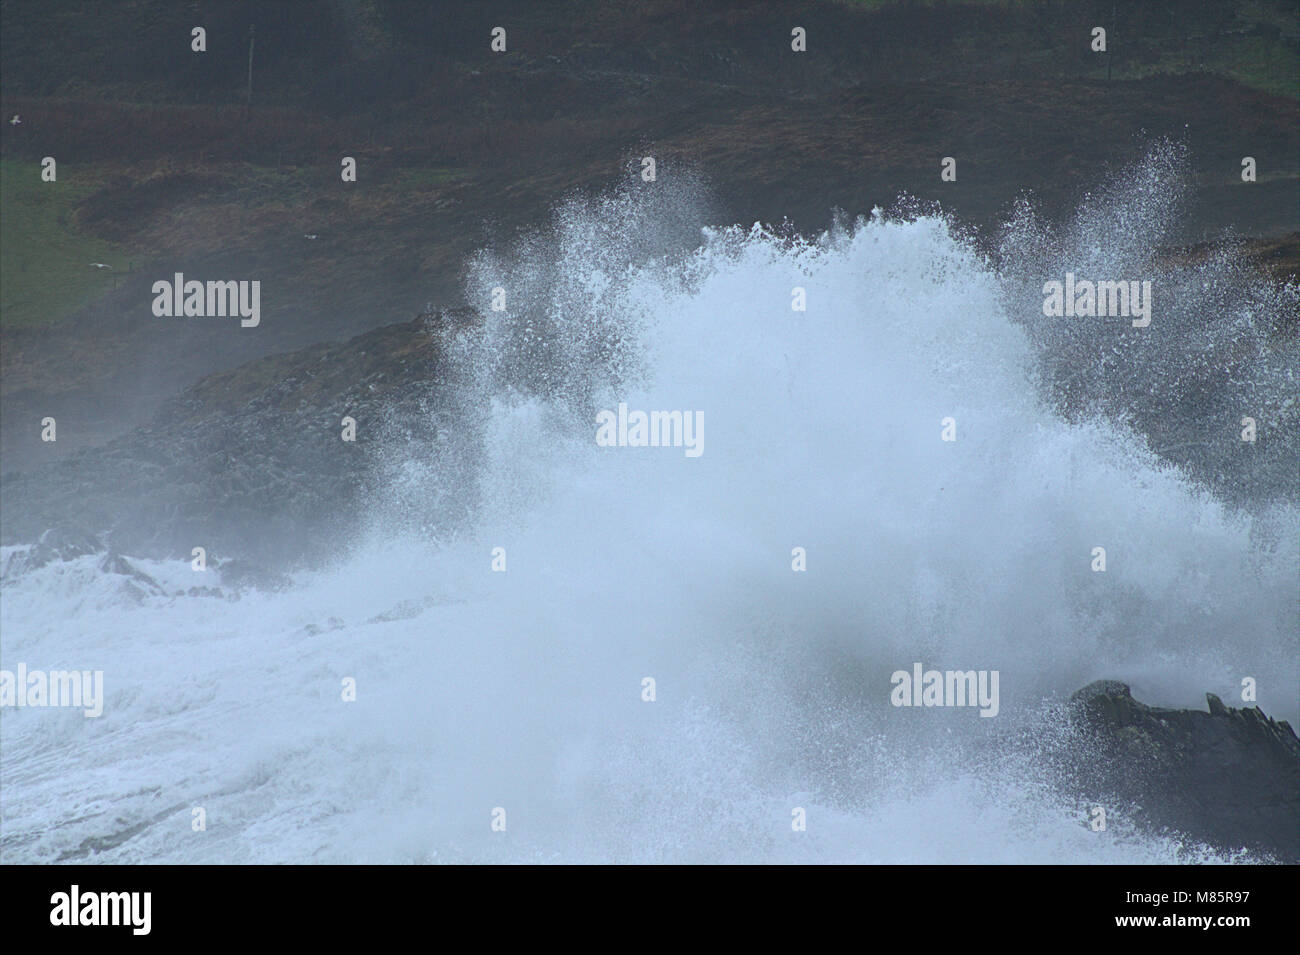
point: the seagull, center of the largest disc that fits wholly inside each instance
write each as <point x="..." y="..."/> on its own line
<point x="309" y="236"/>
<point x="15" y="121"/>
<point x="101" y="265"/>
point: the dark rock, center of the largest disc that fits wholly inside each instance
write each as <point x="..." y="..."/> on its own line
<point x="58" y="543"/>
<point x="1228" y="777"/>
<point x="117" y="564"/>
<point x="250" y="461"/>
<point x="202" y="592"/>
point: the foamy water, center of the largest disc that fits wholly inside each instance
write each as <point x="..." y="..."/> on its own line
<point x="522" y="689"/>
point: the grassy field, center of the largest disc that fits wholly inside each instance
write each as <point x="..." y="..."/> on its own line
<point x="46" y="270"/>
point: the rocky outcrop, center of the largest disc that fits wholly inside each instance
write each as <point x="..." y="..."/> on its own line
<point x="60" y="545"/>
<point x="251" y="462"/>
<point x="1227" y="777"/>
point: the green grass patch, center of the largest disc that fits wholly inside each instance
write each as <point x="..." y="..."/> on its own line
<point x="289" y="184"/>
<point x="45" y="262"/>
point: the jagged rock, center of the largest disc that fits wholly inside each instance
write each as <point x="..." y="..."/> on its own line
<point x="1228" y="777"/>
<point x="117" y="564"/>
<point x="62" y="543"/>
<point x="57" y="543"/>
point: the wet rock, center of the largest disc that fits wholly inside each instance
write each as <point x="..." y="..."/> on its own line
<point x="202" y="592"/>
<point x="251" y="461"/>
<point x="61" y="543"/>
<point x="57" y="543"/>
<point x="1227" y="777"/>
<point x="117" y="564"/>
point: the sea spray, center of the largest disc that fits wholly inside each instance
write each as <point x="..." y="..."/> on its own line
<point x="502" y="666"/>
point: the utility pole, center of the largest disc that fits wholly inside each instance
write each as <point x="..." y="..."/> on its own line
<point x="249" y="99"/>
<point x="1110" y="51"/>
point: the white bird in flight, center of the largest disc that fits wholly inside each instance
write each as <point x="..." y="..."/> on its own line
<point x="101" y="265"/>
<point x="15" y="121"/>
<point x="309" y="236"/>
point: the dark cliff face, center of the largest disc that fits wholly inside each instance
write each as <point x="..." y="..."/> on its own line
<point x="1228" y="777"/>
<point x="252" y="462"/>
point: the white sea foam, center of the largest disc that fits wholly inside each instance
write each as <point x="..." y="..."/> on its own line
<point x="479" y="689"/>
